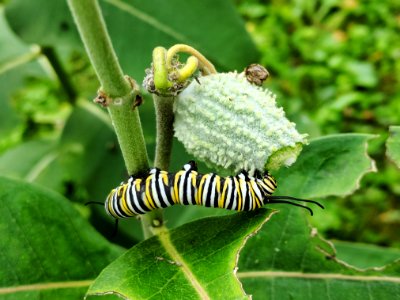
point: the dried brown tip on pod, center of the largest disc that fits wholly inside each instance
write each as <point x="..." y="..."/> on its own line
<point x="256" y="74"/>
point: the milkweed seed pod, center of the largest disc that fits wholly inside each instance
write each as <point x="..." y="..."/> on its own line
<point x="226" y="121"/>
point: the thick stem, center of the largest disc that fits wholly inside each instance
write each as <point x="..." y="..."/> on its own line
<point x="122" y="93"/>
<point x="165" y="131"/>
<point x="127" y="126"/>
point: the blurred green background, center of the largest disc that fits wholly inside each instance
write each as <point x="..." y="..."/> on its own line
<point x="334" y="65"/>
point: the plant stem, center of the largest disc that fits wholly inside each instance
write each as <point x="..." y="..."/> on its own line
<point x="165" y="132"/>
<point x="128" y="128"/>
<point x="165" y="119"/>
<point x="124" y="116"/>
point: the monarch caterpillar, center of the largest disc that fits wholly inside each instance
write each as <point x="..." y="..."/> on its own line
<point x="160" y="189"/>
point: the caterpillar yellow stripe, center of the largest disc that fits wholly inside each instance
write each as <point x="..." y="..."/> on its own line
<point x="160" y="189"/>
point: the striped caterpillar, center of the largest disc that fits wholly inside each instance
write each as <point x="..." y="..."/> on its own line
<point x="159" y="189"/>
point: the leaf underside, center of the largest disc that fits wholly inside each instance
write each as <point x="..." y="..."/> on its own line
<point x="329" y="166"/>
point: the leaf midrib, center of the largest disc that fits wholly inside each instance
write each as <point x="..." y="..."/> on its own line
<point x="166" y="242"/>
<point x="45" y="286"/>
<point x="148" y="19"/>
<point x="282" y="274"/>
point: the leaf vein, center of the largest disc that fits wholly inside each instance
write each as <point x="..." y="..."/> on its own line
<point x="166" y="242"/>
<point x="322" y="276"/>
<point x="149" y="20"/>
<point x="45" y="286"/>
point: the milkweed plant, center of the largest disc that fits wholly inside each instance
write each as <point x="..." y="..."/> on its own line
<point x="232" y="122"/>
<point x="224" y="119"/>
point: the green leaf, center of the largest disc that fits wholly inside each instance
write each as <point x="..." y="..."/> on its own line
<point x="393" y="145"/>
<point x="33" y="161"/>
<point x="363" y="73"/>
<point x="18" y="162"/>
<point x="136" y="27"/>
<point x="365" y="255"/>
<point x="87" y="142"/>
<point x="194" y="261"/>
<point x="331" y="165"/>
<point x="288" y="260"/>
<point x="14" y="66"/>
<point x="11" y="46"/>
<point x="47" y="250"/>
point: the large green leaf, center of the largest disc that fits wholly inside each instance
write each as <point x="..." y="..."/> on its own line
<point x="288" y="260"/>
<point x="194" y="261"/>
<point x="86" y="143"/>
<point x="331" y="165"/>
<point x="393" y="145"/>
<point x="10" y="47"/>
<point x="47" y="250"/>
<point x="136" y="27"/>
<point x="39" y="163"/>
<point x="365" y="255"/>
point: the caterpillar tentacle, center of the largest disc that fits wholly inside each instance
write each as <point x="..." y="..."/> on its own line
<point x="161" y="189"/>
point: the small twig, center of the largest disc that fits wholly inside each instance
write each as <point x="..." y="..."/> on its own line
<point x="60" y="72"/>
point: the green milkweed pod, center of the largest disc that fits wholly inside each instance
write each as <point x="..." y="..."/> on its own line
<point x="226" y="121"/>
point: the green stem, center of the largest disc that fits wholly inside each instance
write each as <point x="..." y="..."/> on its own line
<point x="165" y="132"/>
<point x="124" y="117"/>
<point x="165" y="119"/>
<point x="128" y="128"/>
<point x="122" y="93"/>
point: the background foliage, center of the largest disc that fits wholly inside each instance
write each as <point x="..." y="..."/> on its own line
<point x="338" y="63"/>
<point x="334" y="66"/>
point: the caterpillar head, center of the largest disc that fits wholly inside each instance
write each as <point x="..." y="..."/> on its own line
<point x="269" y="182"/>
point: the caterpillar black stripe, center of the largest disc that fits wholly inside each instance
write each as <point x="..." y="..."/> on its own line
<point x="160" y="189"/>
